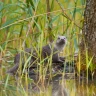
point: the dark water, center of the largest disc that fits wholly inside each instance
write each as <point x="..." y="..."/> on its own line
<point x="68" y="87"/>
<point x="75" y="87"/>
<point x="81" y="88"/>
<point x="61" y="85"/>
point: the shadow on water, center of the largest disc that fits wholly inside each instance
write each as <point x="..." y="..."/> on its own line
<point x="67" y="87"/>
<point x="57" y="87"/>
<point x="61" y="85"/>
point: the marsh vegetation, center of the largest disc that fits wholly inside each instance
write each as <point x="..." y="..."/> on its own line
<point x="33" y="24"/>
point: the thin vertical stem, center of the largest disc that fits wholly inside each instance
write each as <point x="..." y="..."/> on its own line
<point x="49" y="19"/>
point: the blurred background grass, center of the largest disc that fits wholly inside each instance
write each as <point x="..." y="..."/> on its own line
<point x="26" y="20"/>
<point x="25" y="23"/>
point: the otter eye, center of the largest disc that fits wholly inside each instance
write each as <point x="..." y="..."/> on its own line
<point x="64" y="38"/>
<point x="58" y="37"/>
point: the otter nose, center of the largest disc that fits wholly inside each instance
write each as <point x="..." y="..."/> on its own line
<point x="63" y="39"/>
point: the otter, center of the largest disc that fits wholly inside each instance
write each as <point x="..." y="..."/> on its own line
<point x="50" y="49"/>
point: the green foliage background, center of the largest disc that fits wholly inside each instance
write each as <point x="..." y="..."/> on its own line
<point x="25" y="23"/>
<point x="25" y="20"/>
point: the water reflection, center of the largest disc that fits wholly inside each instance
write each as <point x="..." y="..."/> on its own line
<point x="70" y="88"/>
<point x="76" y="88"/>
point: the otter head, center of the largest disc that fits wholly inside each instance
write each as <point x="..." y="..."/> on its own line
<point x="61" y="40"/>
<point x="60" y="43"/>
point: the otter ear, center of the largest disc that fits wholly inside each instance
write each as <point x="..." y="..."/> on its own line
<point x="58" y="36"/>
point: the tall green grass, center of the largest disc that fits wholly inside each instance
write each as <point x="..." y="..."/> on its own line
<point x="24" y="24"/>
